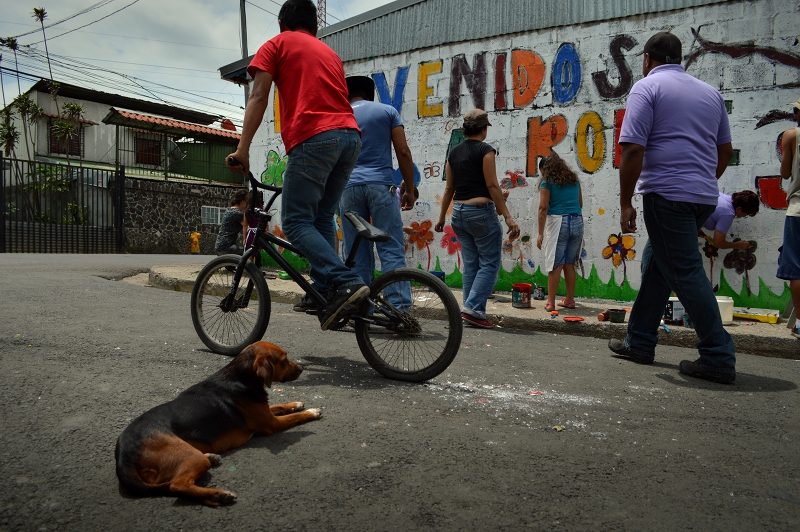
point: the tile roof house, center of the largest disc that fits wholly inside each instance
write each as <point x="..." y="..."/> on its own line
<point x="150" y="139"/>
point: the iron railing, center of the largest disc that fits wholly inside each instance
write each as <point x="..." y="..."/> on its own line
<point x="60" y="208"/>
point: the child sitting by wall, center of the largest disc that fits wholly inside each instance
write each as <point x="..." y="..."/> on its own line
<point x="233" y="224"/>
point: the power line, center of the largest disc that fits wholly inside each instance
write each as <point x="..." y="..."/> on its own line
<point x="90" y="23"/>
<point x="259" y="7"/>
<point x="73" y="67"/>
<point x="139" y="64"/>
<point x="81" y="12"/>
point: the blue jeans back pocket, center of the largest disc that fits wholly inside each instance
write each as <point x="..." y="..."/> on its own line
<point x="319" y="158"/>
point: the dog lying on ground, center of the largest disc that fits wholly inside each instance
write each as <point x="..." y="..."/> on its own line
<point x="166" y="449"/>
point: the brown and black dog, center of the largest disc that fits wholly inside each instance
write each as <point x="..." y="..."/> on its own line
<point x="166" y="449"/>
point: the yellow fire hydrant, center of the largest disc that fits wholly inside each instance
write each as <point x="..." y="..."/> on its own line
<point x="195" y="238"/>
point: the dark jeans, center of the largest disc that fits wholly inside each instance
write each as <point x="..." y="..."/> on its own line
<point x="671" y="262"/>
<point x="316" y="174"/>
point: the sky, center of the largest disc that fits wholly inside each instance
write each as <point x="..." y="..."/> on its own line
<point x="160" y="50"/>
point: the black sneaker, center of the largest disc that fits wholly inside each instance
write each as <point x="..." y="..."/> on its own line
<point x="341" y="300"/>
<point x="305" y="304"/>
<point x="618" y="347"/>
<point x="694" y="369"/>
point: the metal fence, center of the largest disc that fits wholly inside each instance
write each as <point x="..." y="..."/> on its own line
<point x="155" y="154"/>
<point x="60" y="208"/>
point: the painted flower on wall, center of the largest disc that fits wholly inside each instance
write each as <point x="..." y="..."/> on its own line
<point x="422" y="236"/>
<point x="451" y="244"/>
<point x="620" y="250"/>
<point x="742" y="260"/>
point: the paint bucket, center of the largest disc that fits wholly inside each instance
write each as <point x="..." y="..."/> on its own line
<point x="725" y="304"/>
<point x="616" y="315"/>
<point x="674" y="310"/>
<point x="521" y="295"/>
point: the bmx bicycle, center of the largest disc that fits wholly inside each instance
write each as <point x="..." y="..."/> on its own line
<point x="409" y="328"/>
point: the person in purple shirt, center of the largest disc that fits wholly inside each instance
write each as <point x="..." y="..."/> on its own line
<point x="730" y="206"/>
<point x="676" y="143"/>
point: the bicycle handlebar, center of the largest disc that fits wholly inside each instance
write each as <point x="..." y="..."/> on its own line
<point x="253" y="181"/>
<point x="256" y="184"/>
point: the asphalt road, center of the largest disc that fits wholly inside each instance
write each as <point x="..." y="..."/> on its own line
<point x="642" y="447"/>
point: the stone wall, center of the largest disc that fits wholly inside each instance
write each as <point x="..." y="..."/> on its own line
<point x="565" y="89"/>
<point x="160" y="215"/>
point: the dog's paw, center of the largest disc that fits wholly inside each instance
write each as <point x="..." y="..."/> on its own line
<point x="316" y="411"/>
<point x="298" y="406"/>
<point x="223" y="497"/>
<point x="213" y="458"/>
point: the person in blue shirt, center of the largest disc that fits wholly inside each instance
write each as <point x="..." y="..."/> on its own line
<point x="371" y="191"/>
<point x="560" y="226"/>
<point x="730" y="206"/>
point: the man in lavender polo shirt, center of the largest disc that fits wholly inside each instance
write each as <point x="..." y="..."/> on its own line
<point x="676" y="143"/>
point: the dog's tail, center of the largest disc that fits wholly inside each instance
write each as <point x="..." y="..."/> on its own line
<point x="128" y="475"/>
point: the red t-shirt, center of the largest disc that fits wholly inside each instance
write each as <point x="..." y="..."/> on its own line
<point x="310" y="80"/>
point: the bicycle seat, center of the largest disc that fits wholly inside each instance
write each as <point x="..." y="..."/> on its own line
<point x="366" y="229"/>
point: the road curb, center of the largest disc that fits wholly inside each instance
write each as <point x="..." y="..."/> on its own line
<point x="746" y="342"/>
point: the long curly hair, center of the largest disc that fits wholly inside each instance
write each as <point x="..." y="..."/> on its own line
<point x="555" y="170"/>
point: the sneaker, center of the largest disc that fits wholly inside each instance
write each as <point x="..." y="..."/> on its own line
<point x="694" y="369"/>
<point x="619" y="348"/>
<point x="483" y="323"/>
<point x="305" y="304"/>
<point x="795" y="333"/>
<point x="340" y="301"/>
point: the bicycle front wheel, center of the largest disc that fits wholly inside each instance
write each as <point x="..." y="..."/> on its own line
<point x="227" y="332"/>
<point x="414" y="329"/>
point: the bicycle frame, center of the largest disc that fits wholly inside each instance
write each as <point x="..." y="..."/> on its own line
<point x="268" y="242"/>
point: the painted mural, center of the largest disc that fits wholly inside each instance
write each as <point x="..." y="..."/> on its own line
<point x="564" y="89"/>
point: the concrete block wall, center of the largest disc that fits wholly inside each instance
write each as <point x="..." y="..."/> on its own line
<point x="565" y="89"/>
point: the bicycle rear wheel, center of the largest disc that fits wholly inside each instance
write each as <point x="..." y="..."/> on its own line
<point x="415" y="330"/>
<point x="228" y="332"/>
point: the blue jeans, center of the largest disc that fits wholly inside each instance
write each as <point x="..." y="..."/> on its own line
<point x="481" y="237"/>
<point x="671" y="261"/>
<point x="570" y="238"/>
<point x="316" y="173"/>
<point x="378" y="203"/>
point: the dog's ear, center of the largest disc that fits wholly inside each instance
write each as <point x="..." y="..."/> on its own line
<point x="263" y="368"/>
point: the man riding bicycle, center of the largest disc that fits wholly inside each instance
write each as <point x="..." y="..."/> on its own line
<point x="322" y="141"/>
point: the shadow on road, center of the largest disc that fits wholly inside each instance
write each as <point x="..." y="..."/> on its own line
<point x="745" y="382"/>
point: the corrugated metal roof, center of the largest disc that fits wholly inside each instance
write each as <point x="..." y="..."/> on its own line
<point x="407" y="25"/>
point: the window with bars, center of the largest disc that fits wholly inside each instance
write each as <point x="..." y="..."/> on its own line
<point x="148" y="151"/>
<point x="211" y="215"/>
<point x="72" y="147"/>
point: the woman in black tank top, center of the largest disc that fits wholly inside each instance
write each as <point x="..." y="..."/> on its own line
<point x="472" y="183"/>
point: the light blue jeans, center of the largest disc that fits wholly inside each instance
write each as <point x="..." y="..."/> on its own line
<point x="671" y="262"/>
<point x="481" y="237"/>
<point x="378" y="204"/>
<point x="316" y="173"/>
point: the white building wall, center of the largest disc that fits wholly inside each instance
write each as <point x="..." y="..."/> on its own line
<point x="747" y="50"/>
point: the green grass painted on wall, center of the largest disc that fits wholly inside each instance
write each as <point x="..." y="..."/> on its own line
<point x="593" y="287"/>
